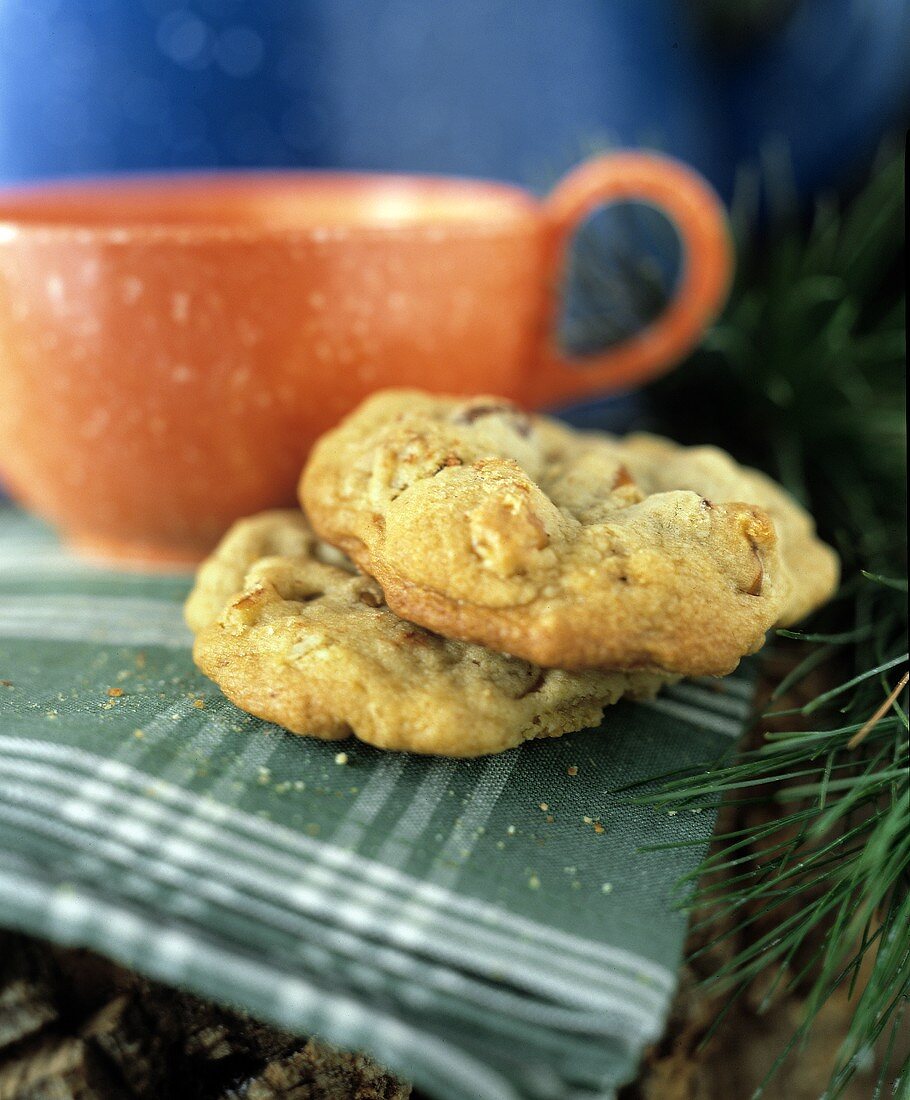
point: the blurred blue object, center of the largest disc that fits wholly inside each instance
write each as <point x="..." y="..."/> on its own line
<point x="825" y="89"/>
<point x="495" y="88"/>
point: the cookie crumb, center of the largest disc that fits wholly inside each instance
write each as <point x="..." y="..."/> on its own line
<point x="572" y="770"/>
<point x="534" y="882"/>
<point x="115" y="693"/>
<point x="544" y="806"/>
<point x="198" y="703"/>
<point x="606" y="888"/>
<point x="598" y="828"/>
<point x="341" y="758"/>
<point x="138" y="734"/>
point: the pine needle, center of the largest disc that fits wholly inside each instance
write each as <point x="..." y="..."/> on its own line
<point x="864" y="730"/>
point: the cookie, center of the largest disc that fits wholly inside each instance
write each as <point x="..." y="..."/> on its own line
<point x="812" y="566"/>
<point x="568" y="549"/>
<point x="310" y="644"/>
<point x="270" y="534"/>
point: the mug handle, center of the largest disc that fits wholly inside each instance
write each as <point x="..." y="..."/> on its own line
<point x="707" y="264"/>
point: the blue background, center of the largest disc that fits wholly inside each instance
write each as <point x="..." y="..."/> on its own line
<point x="513" y="89"/>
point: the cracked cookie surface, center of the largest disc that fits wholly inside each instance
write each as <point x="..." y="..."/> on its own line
<point x="569" y="549"/>
<point x="294" y="635"/>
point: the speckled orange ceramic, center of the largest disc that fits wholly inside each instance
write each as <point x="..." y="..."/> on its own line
<point x="170" y="347"/>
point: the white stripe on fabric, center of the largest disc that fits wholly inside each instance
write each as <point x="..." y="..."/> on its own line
<point x="495" y="924"/>
<point x="290" y="1001"/>
<point x="164" y="721"/>
<point x="369" y="802"/>
<point x="29" y="558"/>
<point x="121" y="620"/>
<point x="41" y="562"/>
<point x="463" y="837"/>
<point x="38" y="563"/>
<point x="412" y="823"/>
<point x="162" y="726"/>
<point x="329" y="861"/>
<point x="447" y="868"/>
<point x="615" y="1015"/>
<point x="22" y="533"/>
<point x="256" y="754"/>
<point x="538" y="1036"/>
<point x="733" y="685"/>
<point x="694" y="715"/>
<point x="612" y="994"/>
<point x="708" y="700"/>
<point x="409" y="827"/>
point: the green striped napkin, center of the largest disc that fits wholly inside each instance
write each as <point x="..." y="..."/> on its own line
<point x="490" y="929"/>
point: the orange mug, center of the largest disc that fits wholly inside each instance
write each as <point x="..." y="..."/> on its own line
<point x="170" y="347"/>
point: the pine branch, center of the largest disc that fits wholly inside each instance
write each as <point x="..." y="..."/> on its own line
<point x="804" y="376"/>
